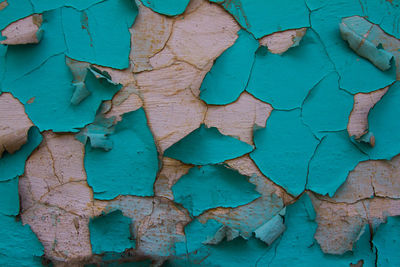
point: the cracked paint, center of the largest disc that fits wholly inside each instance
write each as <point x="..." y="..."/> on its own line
<point x="200" y="126"/>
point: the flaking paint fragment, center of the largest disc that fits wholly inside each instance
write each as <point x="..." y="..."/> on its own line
<point x="265" y="17"/>
<point x="130" y="167"/>
<point x="61" y="115"/>
<point x="283" y="150"/>
<point x="386" y="240"/>
<point x="355" y="30"/>
<point x="212" y="186"/>
<point x="285" y="80"/>
<point x="207" y="146"/>
<point x="91" y="37"/>
<point x="111" y="233"/>
<point x="230" y="73"/>
<point x="272" y="229"/>
<point x="13" y="165"/>
<point x="167" y="7"/>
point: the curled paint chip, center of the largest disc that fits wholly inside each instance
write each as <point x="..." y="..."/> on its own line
<point x="212" y="186"/>
<point x="355" y="30"/>
<point x="111" y="233"/>
<point x="207" y="146"/>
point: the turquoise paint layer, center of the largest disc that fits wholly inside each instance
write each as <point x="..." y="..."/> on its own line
<point x="50" y="88"/>
<point x="386" y="240"/>
<point x="91" y="37"/>
<point x="285" y="80"/>
<point x="265" y="17"/>
<point x="230" y="73"/>
<point x="15" y="10"/>
<point x="384" y="125"/>
<point x="207" y="146"/>
<point x="19" y="246"/>
<point x="356" y="73"/>
<point x="327" y="108"/>
<point x="130" y="167"/>
<point x="13" y="165"/>
<point x="9" y="198"/>
<point x="283" y="150"/>
<point x="334" y="158"/>
<point x="110" y="233"/>
<point x="44" y="5"/>
<point x="167" y="7"/>
<point x="212" y="186"/>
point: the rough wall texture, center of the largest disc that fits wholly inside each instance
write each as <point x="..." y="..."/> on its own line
<point x="199" y="133"/>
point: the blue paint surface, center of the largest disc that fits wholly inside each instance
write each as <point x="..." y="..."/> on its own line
<point x="285" y="80"/>
<point x="18" y="244"/>
<point x="212" y="186"/>
<point x="110" y="233"/>
<point x="207" y="146"/>
<point x="9" y="198"/>
<point x="283" y="150"/>
<point x="386" y="240"/>
<point x="167" y="7"/>
<point x="130" y="167"/>
<point x="230" y="73"/>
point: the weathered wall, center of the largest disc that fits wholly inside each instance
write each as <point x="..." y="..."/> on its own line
<point x="215" y="133"/>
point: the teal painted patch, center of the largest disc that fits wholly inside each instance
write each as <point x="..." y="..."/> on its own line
<point x="130" y="167"/>
<point x="285" y="80"/>
<point x="13" y="165"/>
<point x="230" y="73"/>
<point x="110" y="233"/>
<point x="19" y="246"/>
<point x="265" y="17"/>
<point x="9" y="198"/>
<point x="167" y="7"/>
<point x="283" y="150"/>
<point x="212" y="186"/>
<point x="334" y="158"/>
<point x="91" y="37"/>
<point x="207" y="146"/>
<point x="327" y="108"/>
<point x="386" y="240"/>
<point x="39" y="87"/>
